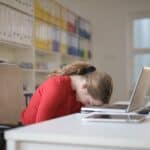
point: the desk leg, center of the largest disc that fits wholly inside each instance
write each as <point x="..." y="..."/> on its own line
<point x="11" y="145"/>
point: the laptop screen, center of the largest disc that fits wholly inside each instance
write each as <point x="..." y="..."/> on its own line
<point x="137" y="100"/>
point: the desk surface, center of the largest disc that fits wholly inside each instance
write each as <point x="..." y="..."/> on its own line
<point x="72" y="130"/>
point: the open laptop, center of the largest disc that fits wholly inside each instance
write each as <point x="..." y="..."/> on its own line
<point x="136" y="102"/>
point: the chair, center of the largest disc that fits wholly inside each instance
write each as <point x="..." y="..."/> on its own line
<point x="12" y="100"/>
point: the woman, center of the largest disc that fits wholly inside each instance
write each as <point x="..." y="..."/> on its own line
<point x="66" y="91"/>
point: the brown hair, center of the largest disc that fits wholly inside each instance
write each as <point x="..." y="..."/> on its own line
<point x="75" y="68"/>
<point x="99" y="85"/>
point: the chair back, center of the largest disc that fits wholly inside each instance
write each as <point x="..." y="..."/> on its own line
<point x="12" y="100"/>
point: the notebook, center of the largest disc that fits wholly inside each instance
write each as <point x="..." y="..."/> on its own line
<point x="126" y="118"/>
<point x="137" y="100"/>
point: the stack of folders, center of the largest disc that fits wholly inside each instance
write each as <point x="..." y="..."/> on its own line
<point x="15" y="26"/>
<point x="23" y="5"/>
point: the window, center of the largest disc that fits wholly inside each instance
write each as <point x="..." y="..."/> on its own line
<point x="141" y="33"/>
<point x="138" y="46"/>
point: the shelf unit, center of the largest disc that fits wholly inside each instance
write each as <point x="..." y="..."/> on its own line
<point x="40" y="36"/>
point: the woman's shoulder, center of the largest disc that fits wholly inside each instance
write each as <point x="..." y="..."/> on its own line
<point x="55" y="83"/>
<point x="59" y="78"/>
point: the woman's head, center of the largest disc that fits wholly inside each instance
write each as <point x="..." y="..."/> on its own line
<point x="99" y="86"/>
<point x="94" y="88"/>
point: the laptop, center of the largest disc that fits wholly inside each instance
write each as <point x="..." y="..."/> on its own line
<point x="137" y="100"/>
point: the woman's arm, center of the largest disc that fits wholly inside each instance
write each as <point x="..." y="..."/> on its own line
<point x="51" y="101"/>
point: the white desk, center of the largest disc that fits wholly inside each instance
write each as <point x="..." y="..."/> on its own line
<point x="71" y="133"/>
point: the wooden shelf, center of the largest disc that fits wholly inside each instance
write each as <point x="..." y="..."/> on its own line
<point x="42" y="71"/>
<point x="27" y="70"/>
<point x="14" y="45"/>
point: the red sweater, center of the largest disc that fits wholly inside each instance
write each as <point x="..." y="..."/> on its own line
<point x="54" y="98"/>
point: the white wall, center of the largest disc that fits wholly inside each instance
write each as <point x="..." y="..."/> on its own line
<point x="109" y="24"/>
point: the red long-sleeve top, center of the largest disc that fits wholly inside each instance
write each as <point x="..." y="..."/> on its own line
<point x="54" y="98"/>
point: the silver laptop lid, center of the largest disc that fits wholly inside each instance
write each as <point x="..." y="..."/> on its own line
<point x="137" y="100"/>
